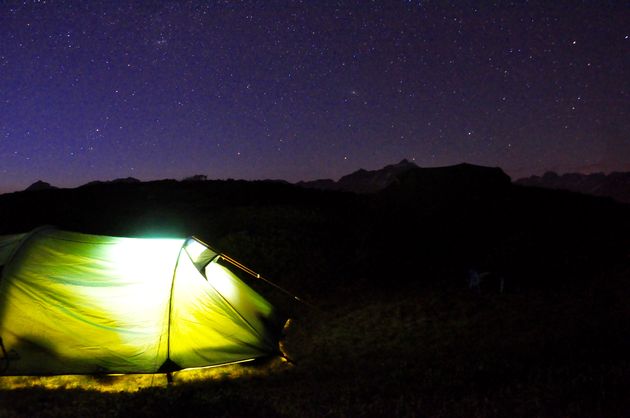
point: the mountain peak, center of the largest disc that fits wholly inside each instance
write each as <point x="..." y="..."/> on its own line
<point x="39" y="185"/>
<point x="362" y="180"/>
<point x="615" y="185"/>
<point x="371" y="181"/>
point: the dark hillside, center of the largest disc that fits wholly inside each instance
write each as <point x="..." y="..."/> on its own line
<point x="428" y="225"/>
<point x="442" y="222"/>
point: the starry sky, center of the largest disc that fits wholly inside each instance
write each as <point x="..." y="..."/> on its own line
<point x="300" y="90"/>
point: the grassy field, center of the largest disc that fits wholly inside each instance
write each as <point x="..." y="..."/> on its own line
<point x="408" y="352"/>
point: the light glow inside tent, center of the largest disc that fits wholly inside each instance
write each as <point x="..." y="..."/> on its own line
<point x="141" y="260"/>
<point x="141" y="257"/>
<point x="221" y="280"/>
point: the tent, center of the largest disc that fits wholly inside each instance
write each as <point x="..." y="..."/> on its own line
<point x="72" y="303"/>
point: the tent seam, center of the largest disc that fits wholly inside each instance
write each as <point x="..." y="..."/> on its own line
<point x="170" y="308"/>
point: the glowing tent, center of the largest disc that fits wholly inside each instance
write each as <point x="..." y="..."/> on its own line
<point x="73" y="303"/>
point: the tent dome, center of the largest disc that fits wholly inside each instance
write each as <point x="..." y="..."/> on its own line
<point x="73" y="303"/>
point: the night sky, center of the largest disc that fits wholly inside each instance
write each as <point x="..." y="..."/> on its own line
<point x="98" y="90"/>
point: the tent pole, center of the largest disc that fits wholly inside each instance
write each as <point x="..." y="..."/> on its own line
<point x="252" y="273"/>
<point x="258" y="276"/>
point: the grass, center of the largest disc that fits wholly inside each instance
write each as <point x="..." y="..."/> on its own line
<point x="411" y="352"/>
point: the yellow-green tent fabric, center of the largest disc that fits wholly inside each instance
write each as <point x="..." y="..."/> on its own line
<point x="73" y="303"/>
